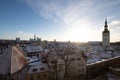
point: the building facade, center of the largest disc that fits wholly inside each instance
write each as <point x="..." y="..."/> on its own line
<point x="32" y="50"/>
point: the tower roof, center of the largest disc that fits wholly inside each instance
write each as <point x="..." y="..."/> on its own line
<point x="106" y="27"/>
<point x="106" y="23"/>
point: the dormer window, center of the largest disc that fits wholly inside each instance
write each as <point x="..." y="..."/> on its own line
<point x="34" y="70"/>
<point x="28" y="59"/>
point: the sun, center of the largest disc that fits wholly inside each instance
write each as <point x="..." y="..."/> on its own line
<point x="79" y="31"/>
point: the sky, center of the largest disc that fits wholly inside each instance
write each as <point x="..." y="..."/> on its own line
<point x="63" y="20"/>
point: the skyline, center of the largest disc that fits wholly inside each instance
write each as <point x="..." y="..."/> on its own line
<point x="63" y="20"/>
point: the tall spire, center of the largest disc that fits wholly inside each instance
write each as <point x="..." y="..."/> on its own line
<point x="106" y="23"/>
<point x="105" y="26"/>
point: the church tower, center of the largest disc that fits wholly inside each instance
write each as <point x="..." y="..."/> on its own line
<point x="106" y="35"/>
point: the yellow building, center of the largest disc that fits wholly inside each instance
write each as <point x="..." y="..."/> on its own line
<point x="38" y="76"/>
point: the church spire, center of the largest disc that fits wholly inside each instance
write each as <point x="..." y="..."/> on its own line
<point x="106" y="26"/>
<point x="106" y="23"/>
<point x="106" y="35"/>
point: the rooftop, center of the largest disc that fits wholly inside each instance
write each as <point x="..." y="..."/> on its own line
<point x="11" y="60"/>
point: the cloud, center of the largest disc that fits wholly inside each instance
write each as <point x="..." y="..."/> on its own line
<point x="74" y="13"/>
<point x="115" y="23"/>
<point x="115" y="30"/>
<point x="60" y="10"/>
<point x="24" y="35"/>
<point x="69" y="10"/>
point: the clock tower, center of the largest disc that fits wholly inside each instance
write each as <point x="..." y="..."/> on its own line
<point x="106" y="35"/>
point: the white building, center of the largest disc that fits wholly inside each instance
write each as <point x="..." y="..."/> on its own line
<point x="32" y="50"/>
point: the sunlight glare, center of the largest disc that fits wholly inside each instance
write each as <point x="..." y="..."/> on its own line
<point x="79" y="31"/>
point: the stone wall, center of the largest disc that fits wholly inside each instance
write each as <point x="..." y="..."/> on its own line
<point x="102" y="67"/>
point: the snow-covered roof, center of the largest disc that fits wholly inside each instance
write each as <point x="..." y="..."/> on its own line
<point x="32" y="59"/>
<point x="12" y="60"/>
<point x="93" y="59"/>
<point x="32" y="48"/>
<point x="38" y="68"/>
<point x="47" y="50"/>
<point x="5" y="59"/>
<point x="102" y="60"/>
<point x="35" y="63"/>
<point x="107" y="54"/>
<point x="18" y="61"/>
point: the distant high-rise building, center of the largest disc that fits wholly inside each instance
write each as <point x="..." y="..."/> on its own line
<point x="34" y="37"/>
<point x="17" y="40"/>
<point x="106" y="35"/>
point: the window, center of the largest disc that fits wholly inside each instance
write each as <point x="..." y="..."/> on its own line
<point x="82" y="70"/>
<point x="34" y="70"/>
<point x="42" y="68"/>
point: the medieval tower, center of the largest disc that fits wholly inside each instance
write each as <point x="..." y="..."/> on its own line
<point x="106" y="35"/>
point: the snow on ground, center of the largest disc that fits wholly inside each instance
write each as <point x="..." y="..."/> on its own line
<point x="32" y="59"/>
<point x="93" y="59"/>
<point x="96" y="53"/>
<point x="106" y="55"/>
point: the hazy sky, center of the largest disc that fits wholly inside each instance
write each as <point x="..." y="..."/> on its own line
<point x="63" y="20"/>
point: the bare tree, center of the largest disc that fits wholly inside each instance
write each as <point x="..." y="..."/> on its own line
<point x="54" y="66"/>
<point x="66" y="57"/>
<point x="60" y="64"/>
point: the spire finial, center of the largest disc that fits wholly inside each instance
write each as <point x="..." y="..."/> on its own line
<point x="34" y="37"/>
<point x="106" y="23"/>
<point x="105" y="20"/>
